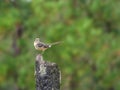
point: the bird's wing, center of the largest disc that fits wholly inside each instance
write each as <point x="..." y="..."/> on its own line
<point x="40" y="44"/>
<point x="43" y="45"/>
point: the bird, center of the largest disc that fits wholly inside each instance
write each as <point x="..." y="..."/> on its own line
<point x="43" y="46"/>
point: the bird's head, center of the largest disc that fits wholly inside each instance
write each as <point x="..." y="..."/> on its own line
<point x="37" y="40"/>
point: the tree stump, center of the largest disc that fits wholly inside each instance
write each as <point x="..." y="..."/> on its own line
<point x="47" y="74"/>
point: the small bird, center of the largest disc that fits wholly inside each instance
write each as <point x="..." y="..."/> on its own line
<point x="42" y="46"/>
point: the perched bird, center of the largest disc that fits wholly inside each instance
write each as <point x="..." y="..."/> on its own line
<point x="42" y="46"/>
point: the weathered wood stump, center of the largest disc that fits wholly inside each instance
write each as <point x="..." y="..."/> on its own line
<point x="47" y="75"/>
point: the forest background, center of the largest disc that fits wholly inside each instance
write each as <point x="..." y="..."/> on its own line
<point x="89" y="57"/>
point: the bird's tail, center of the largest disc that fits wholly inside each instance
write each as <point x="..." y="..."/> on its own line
<point x="55" y="43"/>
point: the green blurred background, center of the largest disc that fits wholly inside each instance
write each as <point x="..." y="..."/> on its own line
<point x="89" y="57"/>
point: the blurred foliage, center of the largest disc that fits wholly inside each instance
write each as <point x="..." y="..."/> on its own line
<point x="89" y="57"/>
